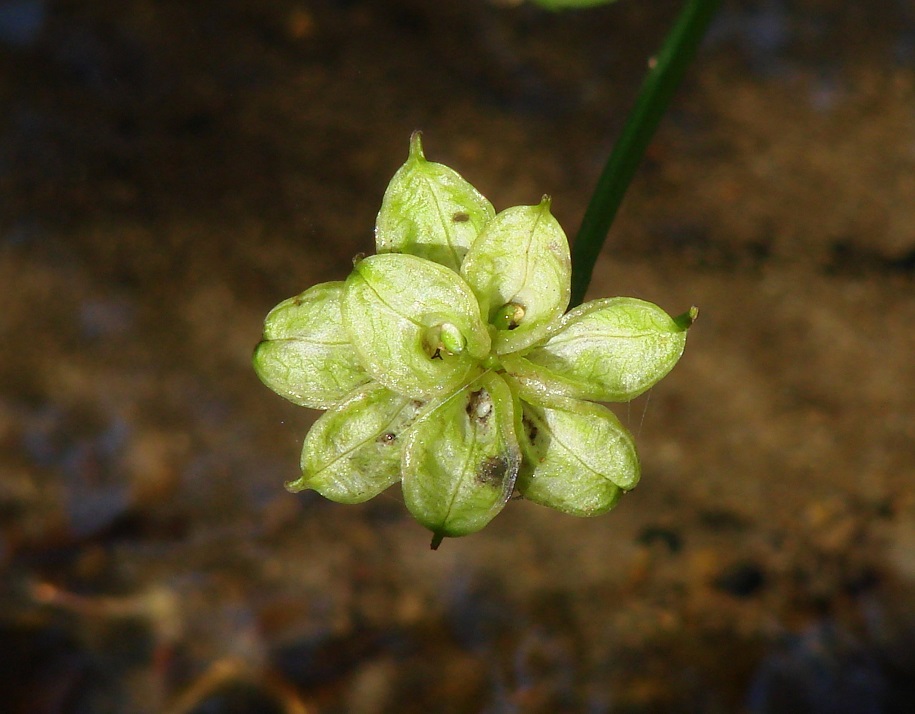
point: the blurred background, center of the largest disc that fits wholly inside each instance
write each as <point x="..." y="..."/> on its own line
<point x="170" y="170"/>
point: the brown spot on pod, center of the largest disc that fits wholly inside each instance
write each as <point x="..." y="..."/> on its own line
<point x="387" y="438"/>
<point x="460" y="217"/>
<point x="479" y="406"/>
<point x="529" y="428"/>
<point x="492" y="471"/>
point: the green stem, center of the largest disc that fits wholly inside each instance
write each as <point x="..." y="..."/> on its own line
<point x="667" y="69"/>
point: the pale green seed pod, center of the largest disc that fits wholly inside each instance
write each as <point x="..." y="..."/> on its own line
<point x="451" y="338"/>
<point x="608" y="350"/>
<point x="519" y="269"/>
<point x="461" y="459"/>
<point x="353" y="452"/>
<point x="508" y="317"/>
<point x="306" y="355"/>
<point x="578" y="458"/>
<point x="392" y="304"/>
<point x="429" y="211"/>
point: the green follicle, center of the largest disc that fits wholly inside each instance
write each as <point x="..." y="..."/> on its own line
<point x="508" y="317"/>
<point x="452" y="339"/>
<point x="445" y="337"/>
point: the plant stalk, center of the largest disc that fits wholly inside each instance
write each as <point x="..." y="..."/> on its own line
<point x="666" y="69"/>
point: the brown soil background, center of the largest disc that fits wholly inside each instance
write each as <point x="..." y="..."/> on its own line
<point x="171" y="170"/>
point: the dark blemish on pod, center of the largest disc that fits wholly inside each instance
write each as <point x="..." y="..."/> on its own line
<point x="460" y="217"/>
<point x="479" y="406"/>
<point x="529" y="428"/>
<point x="387" y="438"/>
<point x="492" y="471"/>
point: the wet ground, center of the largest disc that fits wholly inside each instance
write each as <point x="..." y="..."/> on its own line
<point x="169" y="171"/>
